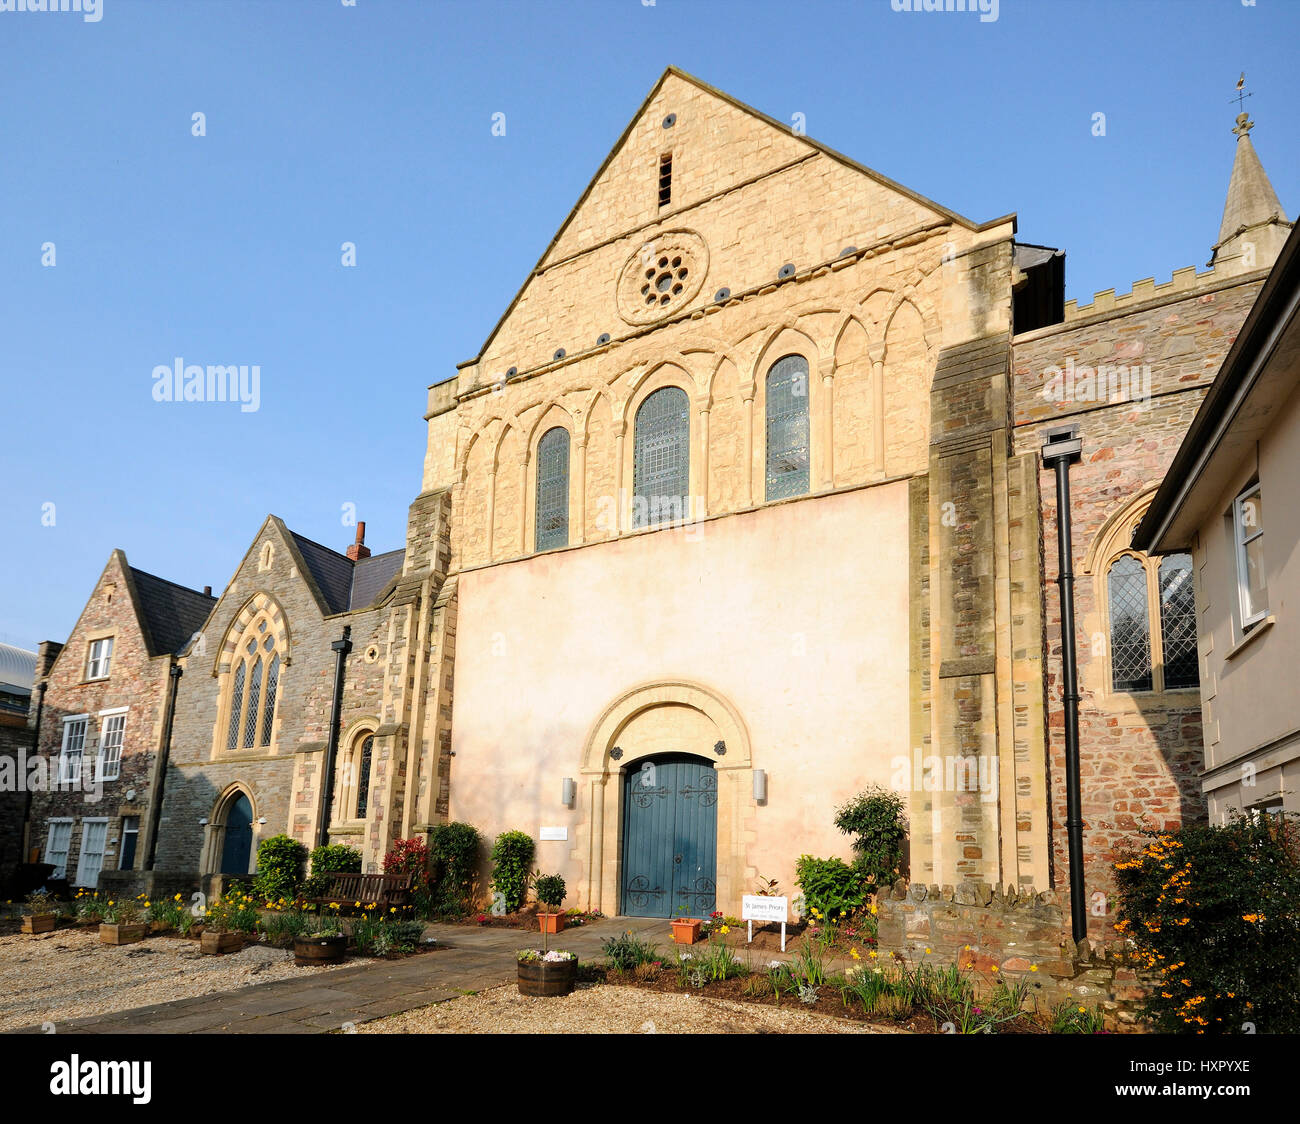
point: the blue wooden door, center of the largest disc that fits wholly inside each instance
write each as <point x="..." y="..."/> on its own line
<point x="670" y="827"/>
<point x="238" y="846"/>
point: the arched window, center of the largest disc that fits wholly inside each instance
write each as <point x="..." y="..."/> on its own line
<point x="662" y="458"/>
<point x="254" y="683"/>
<point x="1152" y="623"/>
<point x="364" y="754"/>
<point x="553" y="489"/>
<point x="787" y="427"/>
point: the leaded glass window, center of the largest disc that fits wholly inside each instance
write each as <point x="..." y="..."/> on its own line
<point x="1178" y="622"/>
<point x="236" y="705"/>
<point x="268" y="705"/>
<point x="363" y="776"/>
<point x="1130" y="636"/>
<point x="254" y="696"/>
<point x="787" y="428"/>
<point x="553" y="489"/>
<point x="662" y="462"/>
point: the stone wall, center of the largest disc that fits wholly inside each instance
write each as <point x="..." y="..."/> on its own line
<point x="1012" y="935"/>
<point x="1140" y="752"/>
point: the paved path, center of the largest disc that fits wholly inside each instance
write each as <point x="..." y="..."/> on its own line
<point x="471" y="959"/>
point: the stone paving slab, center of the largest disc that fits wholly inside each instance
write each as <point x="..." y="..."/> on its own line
<point x="469" y="959"/>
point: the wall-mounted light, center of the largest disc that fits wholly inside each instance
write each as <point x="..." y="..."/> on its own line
<point x="262" y="820"/>
<point x="760" y="786"/>
<point x="203" y="822"/>
<point x="568" y="792"/>
<point x="130" y="794"/>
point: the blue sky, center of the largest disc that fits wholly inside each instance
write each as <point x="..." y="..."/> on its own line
<point x="372" y="124"/>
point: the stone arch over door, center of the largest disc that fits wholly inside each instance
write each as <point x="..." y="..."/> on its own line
<point x="665" y="717"/>
<point x="238" y="801"/>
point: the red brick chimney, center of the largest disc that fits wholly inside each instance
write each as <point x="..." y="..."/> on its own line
<point x="358" y="550"/>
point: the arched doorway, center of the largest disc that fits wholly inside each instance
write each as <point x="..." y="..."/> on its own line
<point x="670" y="830"/>
<point x="237" y="841"/>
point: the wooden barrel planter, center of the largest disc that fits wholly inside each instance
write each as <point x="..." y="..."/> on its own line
<point x="40" y="922"/>
<point x="544" y="979"/>
<point x="319" y="950"/>
<point x="219" y="944"/>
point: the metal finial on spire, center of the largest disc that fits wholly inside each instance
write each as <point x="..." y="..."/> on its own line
<point x="1244" y="124"/>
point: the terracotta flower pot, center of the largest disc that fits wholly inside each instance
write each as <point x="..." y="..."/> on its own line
<point x="110" y="933"/>
<point x="319" y="950"/>
<point x="218" y="944"/>
<point x="40" y="922"/>
<point x="550" y="922"/>
<point x="544" y="979"/>
<point x="686" y="930"/>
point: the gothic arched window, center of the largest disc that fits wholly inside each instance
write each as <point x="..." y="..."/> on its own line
<point x="1152" y="613"/>
<point x="787" y="427"/>
<point x="364" y="754"/>
<point x="253" y="683"/>
<point x="662" y="458"/>
<point x="553" y="489"/>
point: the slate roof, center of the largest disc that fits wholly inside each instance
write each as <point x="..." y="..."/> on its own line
<point x="371" y="575"/>
<point x="171" y="613"/>
<point x="331" y="571"/>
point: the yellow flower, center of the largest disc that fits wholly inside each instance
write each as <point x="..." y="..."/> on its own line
<point x="1033" y="967"/>
<point x="854" y="953"/>
<point x="726" y="929"/>
<point x="1081" y="1011"/>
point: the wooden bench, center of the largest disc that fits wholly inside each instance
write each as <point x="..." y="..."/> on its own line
<point x="382" y="890"/>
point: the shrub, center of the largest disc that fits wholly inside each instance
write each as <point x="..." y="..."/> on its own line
<point x="830" y="886"/>
<point x="328" y="860"/>
<point x="512" y="860"/>
<point x="279" y="867"/>
<point x="625" y="952"/>
<point x="550" y="890"/>
<point x="1215" y="912"/>
<point x="454" y="849"/>
<point x="878" y="824"/>
<point x="410" y="857"/>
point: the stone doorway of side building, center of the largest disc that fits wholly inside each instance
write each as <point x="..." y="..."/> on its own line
<point x="670" y="827"/>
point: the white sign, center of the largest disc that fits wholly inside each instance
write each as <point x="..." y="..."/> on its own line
<point x="758" y="907"/>
<point x="765" y="910"/>
<point x="555" y="833"/>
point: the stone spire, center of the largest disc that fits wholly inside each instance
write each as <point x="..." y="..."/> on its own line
<point x="1254" y="225"/>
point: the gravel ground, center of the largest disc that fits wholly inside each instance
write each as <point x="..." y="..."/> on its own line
<point x="603" y="1009"/>
<point x="68" y="974"/>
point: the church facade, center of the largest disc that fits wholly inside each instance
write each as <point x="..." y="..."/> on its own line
<point x="740" y="509"/>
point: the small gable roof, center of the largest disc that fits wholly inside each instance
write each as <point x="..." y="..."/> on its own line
<point x="170" y="614"/>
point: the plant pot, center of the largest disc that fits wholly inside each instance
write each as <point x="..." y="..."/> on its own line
<point x="159" y="927"/>
<point x="686" y="930"/>
<point x="218" y="944"/>
<point x="40" y="922"/>
<point x="110" y="933"/>
<point x="550" y="922"/>
<point x="544" y="979"/>
<point x="319" y="950"/>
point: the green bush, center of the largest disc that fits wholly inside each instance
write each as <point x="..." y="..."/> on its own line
<point x="1215" y="915"/>
<point x="550" y="890"/>
<point x="280" y="860"/>
<point x="328" y="860"/>
<point x="876" y="821"/>
<point x="453" y="848"/>
<point x="830" y="887"/>
<point x="512" y="860"/>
